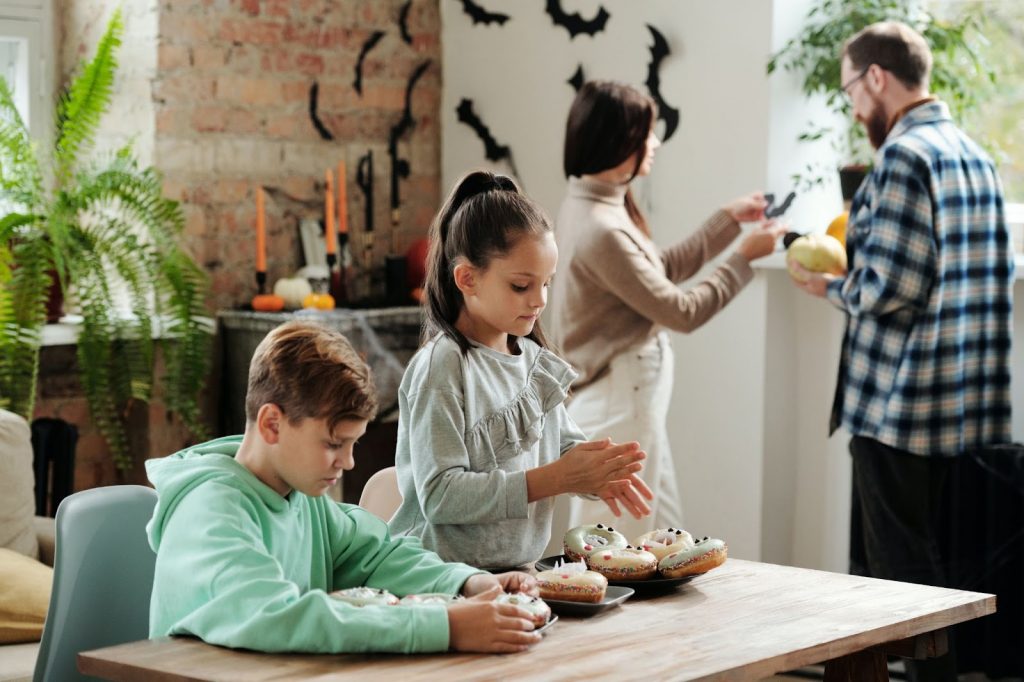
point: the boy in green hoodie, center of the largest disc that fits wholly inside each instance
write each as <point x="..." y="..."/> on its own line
<point x="249" y="548"/>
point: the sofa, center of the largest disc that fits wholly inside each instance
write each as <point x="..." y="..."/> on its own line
<point x="26" y="553"/>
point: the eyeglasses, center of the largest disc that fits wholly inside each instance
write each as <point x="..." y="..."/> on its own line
<point x="849" y="84"/>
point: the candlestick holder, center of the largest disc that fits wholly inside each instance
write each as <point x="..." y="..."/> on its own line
<point x="263" y="302"/>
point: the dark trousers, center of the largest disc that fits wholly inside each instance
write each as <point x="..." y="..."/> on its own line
<point x="894" y="527"/>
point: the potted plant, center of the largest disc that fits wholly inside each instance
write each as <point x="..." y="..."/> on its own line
<point x="960" y="75"/>
<point x="95" y="226"/>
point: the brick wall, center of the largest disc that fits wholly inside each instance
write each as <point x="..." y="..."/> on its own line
<point x="232" y="108"/>
<point x="216" y="95"/>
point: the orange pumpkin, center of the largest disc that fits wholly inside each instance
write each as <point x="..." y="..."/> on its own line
<point x="318" y="301"/>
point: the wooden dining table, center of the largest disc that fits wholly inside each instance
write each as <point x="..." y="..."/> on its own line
<point x="745" y="620"/>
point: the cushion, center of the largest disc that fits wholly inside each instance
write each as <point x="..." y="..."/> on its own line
<point x="24" y="597"/>
<point x="17" y="486"/>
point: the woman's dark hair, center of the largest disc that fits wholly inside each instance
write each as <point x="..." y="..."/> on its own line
<point x="483" y="218"/>
<point x="608" y="123"/>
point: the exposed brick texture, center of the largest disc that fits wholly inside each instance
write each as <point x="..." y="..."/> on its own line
<point x="219" y="102"/>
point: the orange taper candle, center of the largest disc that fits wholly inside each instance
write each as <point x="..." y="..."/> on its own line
<point x="261" y="233"/>
<point x="329" y="234"/>
<point x="342" y="200"/>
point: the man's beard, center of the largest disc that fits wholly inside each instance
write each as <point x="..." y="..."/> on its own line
<point x="877" y="125"/>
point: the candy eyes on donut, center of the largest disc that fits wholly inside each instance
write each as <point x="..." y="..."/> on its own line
<point x="600" y="525"/>
<point x="610" y="529"/>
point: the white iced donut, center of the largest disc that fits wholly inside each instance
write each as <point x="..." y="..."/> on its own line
<point x="665" y="541"/>
<point x="628" y="563"/>
<point x="365" y="596"/>
<point x="572" y="582"/>
<point x="429" y="598"/>
<point x="582" y="540"/>
<point x="706" y="553"/>
<point x="538" y="609"/>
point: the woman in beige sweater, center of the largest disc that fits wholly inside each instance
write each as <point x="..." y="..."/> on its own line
<point x="615" y="294"/>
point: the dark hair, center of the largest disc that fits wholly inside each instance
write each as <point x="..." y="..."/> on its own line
<point x="310" y="372"/>
<point x="608" y="123"/>
<point x="483" y="218"/>
<point x="895" y="47"/>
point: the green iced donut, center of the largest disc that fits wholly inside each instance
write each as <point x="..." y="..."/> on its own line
<point x="582" y="540"/>
<point x="365" y="596"/>
<point x="706" y="553"/>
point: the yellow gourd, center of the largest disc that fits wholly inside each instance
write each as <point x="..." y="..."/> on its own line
<point x="318" y="301"/>
<point x="837" y="228"/>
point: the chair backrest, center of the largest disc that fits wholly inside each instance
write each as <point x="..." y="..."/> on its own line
<point x="102" y="577"/>
<point x="381" y="495"/>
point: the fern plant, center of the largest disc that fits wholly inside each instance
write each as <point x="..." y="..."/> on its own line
<point x="97" y="226"/>
<point x="960" y="75"/>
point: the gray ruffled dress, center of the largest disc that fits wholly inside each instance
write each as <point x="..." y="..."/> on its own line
<point x="469" y="428"/>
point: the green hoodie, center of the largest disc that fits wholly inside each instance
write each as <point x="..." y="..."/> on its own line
<point x="240" y="566"/>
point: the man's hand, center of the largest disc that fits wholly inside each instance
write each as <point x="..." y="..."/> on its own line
<point x="815" y="283"/>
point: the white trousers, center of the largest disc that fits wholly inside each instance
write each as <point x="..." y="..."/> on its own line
<point x="630" y="402"/>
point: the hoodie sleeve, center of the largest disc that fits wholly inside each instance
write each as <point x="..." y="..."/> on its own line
<point x="366" y="554"/>
<point x="216" y="580"/>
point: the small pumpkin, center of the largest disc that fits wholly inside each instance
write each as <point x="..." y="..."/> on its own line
<point x="318" y="301"/>
<point x="293" y="290"/>
<point x="267" y="303"/>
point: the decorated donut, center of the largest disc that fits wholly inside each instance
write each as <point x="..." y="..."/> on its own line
<point x="366" y="596"/>
<point x="538" y="609"/>
<point x="628" y="563"/>
<point x="430" y="598"/>
<point x="582" y="540"/>
<point x="664" y="541"/>
<point x="706" y="553"/>
<point x="572" y="582"/>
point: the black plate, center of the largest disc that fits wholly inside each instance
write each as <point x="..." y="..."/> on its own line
<point x="649" y="585"/>
<point x="613" y="596"/>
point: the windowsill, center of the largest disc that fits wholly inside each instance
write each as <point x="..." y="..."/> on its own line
<point x="66" y="331"/>
<point x="777" y="261"/>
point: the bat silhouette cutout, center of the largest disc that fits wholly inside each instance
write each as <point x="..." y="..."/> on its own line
<point x="578" y="79"/>
<point x="493" y="151"/>
<point x="367" y="46"/>
<point x="364" y="180"/>
<point x="667" y="113"/>
<point x="574" y="23"/>
<point x="400" y="167"/>
<point x="314" y="95"/>
<point x="772" y="211"/>
<point x="479" y="15"/>
<point x="403" y="22"/>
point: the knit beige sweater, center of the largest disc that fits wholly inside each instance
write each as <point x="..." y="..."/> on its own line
<point x="614" y="287"/>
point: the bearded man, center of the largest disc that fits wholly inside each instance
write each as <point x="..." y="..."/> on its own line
<point x="924" y="371"/>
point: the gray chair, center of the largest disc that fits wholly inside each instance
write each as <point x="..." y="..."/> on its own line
<point x="102" y="577"/>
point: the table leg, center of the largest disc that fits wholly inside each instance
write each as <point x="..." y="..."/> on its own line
<point x="861" y="666"/>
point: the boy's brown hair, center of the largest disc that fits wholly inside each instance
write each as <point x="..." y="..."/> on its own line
<point x="310" y="372"/>
<point x="895" y="47"/>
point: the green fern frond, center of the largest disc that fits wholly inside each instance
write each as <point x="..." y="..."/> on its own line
<point x="86" y="100"/>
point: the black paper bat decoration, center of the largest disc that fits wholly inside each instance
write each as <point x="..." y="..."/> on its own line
<point x="658" y="53"/>
<point x="492" y="150"/>
<point x="364" y="180"/>
<point x="400" y="167"/>
<point x="578" y="79"/>
<point x="574" y="23"/>
<point x="479" y="15"/>
<point x="367" y="46"/>
<point x="771" y="211"/>
<point x="403" y="21"/>
<point x="314" y="95"/>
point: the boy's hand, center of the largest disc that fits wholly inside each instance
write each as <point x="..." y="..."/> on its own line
<point x="481" y="624"/>
<point x="510" y="581"/>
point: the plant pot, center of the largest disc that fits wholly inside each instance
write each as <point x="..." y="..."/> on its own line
<point x="850" y="179"/>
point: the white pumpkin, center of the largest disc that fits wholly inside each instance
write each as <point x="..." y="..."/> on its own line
<point x="292" y="290"/>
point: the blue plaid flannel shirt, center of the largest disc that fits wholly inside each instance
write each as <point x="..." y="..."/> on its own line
<point x="925" y="363"/>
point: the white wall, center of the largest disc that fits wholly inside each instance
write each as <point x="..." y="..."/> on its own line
<point x="749" y="415"/>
